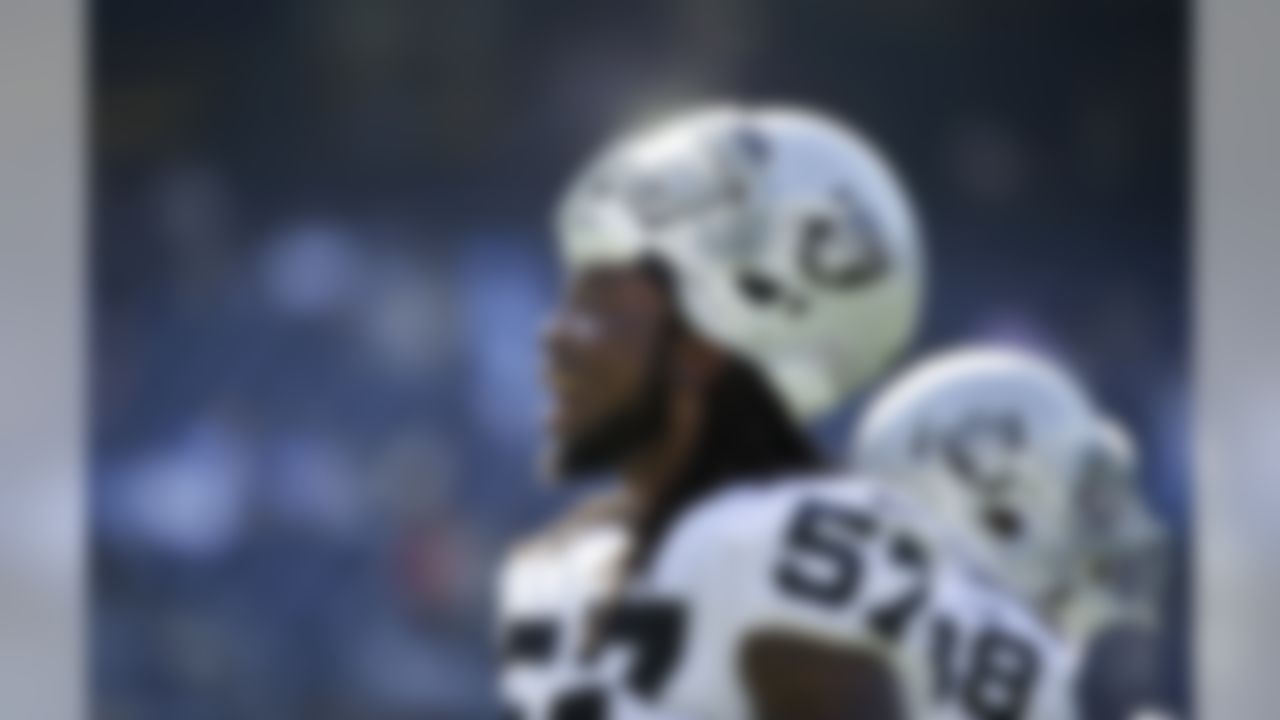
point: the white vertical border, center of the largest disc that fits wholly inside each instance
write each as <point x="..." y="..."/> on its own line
<point x="1237" y="271"/>
<point x="42" y="647"/>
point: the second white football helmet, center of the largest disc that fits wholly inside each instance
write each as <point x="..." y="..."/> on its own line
<point x="1001" y="445"/>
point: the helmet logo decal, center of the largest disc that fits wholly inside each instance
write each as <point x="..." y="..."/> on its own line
<point x="843" y="257"/>
<point x="981" y="450"/>
<point x="752" y="143"/>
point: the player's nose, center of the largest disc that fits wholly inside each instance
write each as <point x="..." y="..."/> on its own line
<point x="557" y="340"/>
<point x="565" y="329"/>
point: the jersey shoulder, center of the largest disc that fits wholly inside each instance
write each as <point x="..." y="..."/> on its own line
<point x="742" y="521"/>
<point x="576" y="549"/>
<point x="783" y="556"/>
<point x="591" y="514"/>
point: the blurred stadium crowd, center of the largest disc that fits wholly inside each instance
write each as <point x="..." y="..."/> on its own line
<point x="321" y="252"/>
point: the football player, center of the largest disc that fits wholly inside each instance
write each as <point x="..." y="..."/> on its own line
<point x="1039" y="488"/>
<point x="730" y="273"/>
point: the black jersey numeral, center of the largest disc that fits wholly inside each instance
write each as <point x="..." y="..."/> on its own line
<point x="999" y="670"/>
<point x="1004" y="672"/>
<point x="583" y="704"/>
<point x="912" y="559"/>
<point x="654" y="630"/>
<point x="529" y="640"/>
<point x="824" y="561"/>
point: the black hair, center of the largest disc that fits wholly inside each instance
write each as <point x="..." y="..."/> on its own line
<point x="746" y="435"/>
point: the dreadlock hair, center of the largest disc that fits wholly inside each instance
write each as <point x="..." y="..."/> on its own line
<point x="746" y="436"/>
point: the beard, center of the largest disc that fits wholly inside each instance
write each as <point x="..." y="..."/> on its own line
<point x="609" y="442"/>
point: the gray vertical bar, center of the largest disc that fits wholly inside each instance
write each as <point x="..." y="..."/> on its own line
<point x="41" y="355"/>
<point x="1238" y="359"/>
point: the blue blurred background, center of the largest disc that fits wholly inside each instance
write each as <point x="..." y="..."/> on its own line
<point x="320" y="254"/>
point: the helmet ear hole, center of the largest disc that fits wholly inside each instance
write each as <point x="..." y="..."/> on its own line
<point x="1003" y="522"/>
<point x="758" y="289"/>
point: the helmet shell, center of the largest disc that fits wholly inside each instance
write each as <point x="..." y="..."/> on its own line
<point x="792" y="242"/>
<point x="998" y="444"/>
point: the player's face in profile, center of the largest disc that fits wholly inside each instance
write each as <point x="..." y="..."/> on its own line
<point x="604" y="352"/>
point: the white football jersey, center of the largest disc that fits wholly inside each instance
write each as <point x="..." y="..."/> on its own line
<point x="846" y="563"/>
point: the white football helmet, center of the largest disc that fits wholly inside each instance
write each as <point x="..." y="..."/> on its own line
<point x="791" y="240"/>
<point x="1004" y="449"/>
